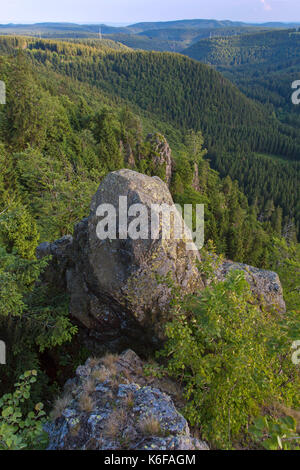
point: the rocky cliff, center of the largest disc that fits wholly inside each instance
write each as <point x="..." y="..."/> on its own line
<point x="115" y="285"/>
<point x="162" y="155"/>
<point x="120" y="289"/>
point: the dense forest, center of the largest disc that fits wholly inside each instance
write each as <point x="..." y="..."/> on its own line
<point x="73" y="109"/>
<point x="262" y="47"/>
<point x="263" y="65"/>
<point x="235" y="128"/>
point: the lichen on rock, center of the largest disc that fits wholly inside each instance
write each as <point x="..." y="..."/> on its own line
<point x="111" y="407"/>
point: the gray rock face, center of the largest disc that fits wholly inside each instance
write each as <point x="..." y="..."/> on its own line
<point x="118" y="289"/>
<point x="115" y="285"/>
<point x="126" y="150"/>
<point x="265" y="285"/>
<point x="195" y="182"/>
<point x="60" y="251"/>
<point x="127" y="270"/>
<point x="163" y="155"/>
<point x="107" y="411"/>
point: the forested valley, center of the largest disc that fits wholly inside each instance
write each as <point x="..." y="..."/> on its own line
<point x="74" y="110"/>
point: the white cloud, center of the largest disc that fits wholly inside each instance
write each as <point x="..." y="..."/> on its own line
<point x="267" y="6"/>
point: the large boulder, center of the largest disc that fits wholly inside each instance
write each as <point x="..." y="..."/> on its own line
<point x="120" y="288"/>
<point x="109" y="406"/>
<point x="129" y="271"/>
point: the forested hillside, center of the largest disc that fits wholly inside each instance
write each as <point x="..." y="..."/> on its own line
<point x="77" y="111"/>
<point x="235" y="128"/>
<point x="277" y="54"/>
<point x="263" y="65"/>
<point x="264" y="47"/>
<point x="78" y="129"/>
<point x="60" y="137"/>
<point x="177" y="37"/>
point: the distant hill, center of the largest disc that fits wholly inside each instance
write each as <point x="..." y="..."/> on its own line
<point x="184" y="24"/>
<point x="251" y="48"/>
<point x="162" y="36"/>
<point x="175" y="39"/>
<point x="10" y="44"/>
<point x="263" y="65"/>
<point x="59" y="30"/>
<point x="206" y="24"/>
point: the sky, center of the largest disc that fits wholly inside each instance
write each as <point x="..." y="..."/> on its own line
<point x="132" y="11"/>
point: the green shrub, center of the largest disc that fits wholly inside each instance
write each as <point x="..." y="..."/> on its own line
<point x="276" y="434"/>
<point x="20" y="430"/>
<point x="230" y="356"/>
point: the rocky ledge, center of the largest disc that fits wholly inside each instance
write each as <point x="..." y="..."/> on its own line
<point x="110" y="405"/>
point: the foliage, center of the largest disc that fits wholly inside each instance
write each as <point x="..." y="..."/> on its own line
<point x="32" y="318"/>
<point x="229" y="221"/>
<point x="276" y="434"/>
<point x="227" y="352"/>
<point x="19" y="430"/>
<point x="17" y="277"/>
<point x="285" y="260"/>
<point x="18" y="231"/>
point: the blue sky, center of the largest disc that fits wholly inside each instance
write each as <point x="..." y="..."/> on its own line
<point x="131" y="11"/>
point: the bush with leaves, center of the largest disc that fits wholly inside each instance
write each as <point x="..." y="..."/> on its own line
<point x="18" y="429"/>
<point x="33" y="317"/>
<point x="231" y="358"/>
<point x="285" y="260"/>
<point x="276" y="434"/>
<point x="17" y="277"/>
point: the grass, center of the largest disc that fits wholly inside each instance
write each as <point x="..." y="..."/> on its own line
<point x="86" y="402"/>
<point x="129" y="400"/>
<point x="94" y="362"/>
<point x="150" y="426"/>
<point x="115" y="423"/>
<point x="89" y="385"/>
<point x="101" y="374"/>
<point x="109" y="361"/>
<point x="59" y="407"/>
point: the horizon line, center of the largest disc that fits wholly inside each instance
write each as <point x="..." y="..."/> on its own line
<point x="116" y="24"/>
